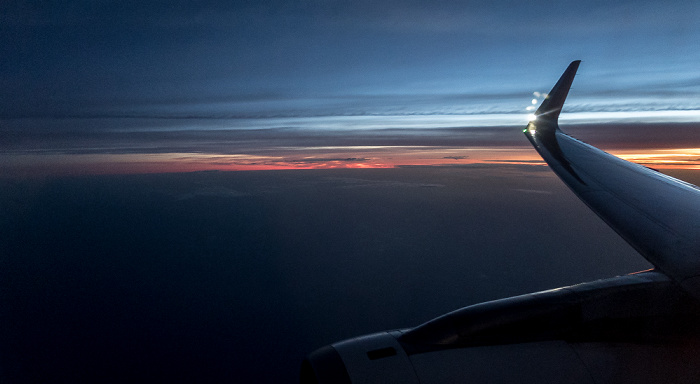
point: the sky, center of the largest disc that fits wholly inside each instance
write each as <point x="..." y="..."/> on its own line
<point x="123" y="87"/>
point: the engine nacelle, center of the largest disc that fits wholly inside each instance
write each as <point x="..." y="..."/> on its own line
<point x="635" y="328"/>
<point x="376" y="358"/>
<point x="380" y="358"/>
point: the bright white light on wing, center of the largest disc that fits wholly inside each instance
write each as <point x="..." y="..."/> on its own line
<point x="537" y="96"/>
<point x="531" y="117"/>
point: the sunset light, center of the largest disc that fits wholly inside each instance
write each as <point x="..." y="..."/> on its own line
<point x="681" y="158"/>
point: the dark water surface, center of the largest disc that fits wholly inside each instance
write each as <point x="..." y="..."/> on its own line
<point x="235" y="277"/>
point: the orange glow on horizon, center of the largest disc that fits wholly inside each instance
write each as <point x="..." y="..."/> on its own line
<point x="269" y="159"/>
<point x="679" y="158"/>
<point x="312" y="158"/>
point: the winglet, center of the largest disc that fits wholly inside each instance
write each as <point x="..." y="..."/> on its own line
<point x="551" y="106"/>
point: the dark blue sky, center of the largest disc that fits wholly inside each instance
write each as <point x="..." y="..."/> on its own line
<point x="73" y="71"/>
<point x="86" y="57"/>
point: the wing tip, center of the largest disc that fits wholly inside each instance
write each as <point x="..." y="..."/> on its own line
<point x="552" y="105"/>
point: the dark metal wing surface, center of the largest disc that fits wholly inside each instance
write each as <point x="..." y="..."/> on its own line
<point x="655" y="213"/>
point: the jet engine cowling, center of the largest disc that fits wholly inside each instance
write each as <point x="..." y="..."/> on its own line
<point x="644" y="323"/>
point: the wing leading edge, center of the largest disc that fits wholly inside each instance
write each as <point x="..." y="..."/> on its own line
<point x="655" y="213"/>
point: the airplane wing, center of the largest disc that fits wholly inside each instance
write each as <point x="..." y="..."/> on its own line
<point x="642" y="328"/>
<point x="655" y="213"/>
